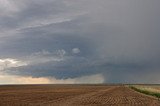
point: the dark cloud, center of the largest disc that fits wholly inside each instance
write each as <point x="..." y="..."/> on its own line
<point x="119" y="39"/>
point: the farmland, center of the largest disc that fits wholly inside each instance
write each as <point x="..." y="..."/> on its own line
<point x="153" y="90"/>
<point x="71" y="95"/>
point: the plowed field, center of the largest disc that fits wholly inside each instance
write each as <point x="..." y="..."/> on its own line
<point x="73" y="95"/>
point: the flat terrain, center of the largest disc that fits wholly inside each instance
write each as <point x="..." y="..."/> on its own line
<point x="73" y="95"/>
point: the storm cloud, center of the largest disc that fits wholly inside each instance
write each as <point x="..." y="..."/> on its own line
<point x="66" y="40"/>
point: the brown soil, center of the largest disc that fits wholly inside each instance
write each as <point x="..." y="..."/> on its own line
<point x="73" y="95"/>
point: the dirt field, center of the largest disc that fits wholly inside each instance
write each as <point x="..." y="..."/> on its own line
<point x="73" y="95"/>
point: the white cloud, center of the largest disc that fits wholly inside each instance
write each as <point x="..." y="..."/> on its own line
<point x="42" y="23"/>
<point x="61" y="52"/>
<point x="12" y="79"/>
<point x="43" y="52"/>
<point x="76" y="50"/>
<point x="35" y="58"/>
<point x="45" y="56"/>
<point x="9" y="63"/>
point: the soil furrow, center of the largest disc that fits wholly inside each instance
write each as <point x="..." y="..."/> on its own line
<point x="74" y="95"/>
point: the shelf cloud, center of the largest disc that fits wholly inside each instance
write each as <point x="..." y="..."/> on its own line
<point x="64" y="41"/>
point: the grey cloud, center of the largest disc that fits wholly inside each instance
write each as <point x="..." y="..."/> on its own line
<point x="119" y="39"/>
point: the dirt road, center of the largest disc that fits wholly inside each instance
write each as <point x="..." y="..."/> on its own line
<point x="74" y="95"/>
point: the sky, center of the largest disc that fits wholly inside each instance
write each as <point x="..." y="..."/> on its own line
<point x="79" y="41"/>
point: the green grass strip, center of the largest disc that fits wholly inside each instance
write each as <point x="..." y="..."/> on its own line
<point x="146" y="92"/>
